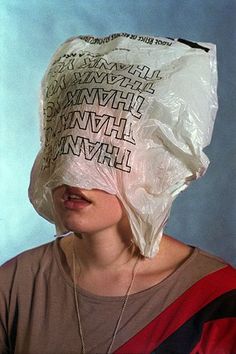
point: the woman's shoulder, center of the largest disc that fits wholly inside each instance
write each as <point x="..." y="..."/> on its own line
<point x="19" y="275"/>
<point x="207" y="274"/>
<point x="178" y="253"/>
<point x="193" y="265"/>
<point x="26" y="262"/>
<point x="175" y="255"/>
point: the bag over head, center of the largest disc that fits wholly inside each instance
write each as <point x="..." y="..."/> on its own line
<point x="130" y="115"/>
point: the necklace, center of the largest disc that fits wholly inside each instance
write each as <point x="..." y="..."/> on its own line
<point x="128" y="291"/>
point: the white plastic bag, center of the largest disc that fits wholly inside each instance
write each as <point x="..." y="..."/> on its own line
<point x="129" y="115"/>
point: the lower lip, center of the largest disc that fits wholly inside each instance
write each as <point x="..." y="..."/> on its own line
<point x="73" y="204"/>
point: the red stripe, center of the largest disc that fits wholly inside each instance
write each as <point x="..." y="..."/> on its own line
<point x="195" y="298"/>
<point x="218" y="337"/>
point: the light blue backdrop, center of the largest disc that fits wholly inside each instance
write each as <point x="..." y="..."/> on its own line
<point x="205" y="214"/>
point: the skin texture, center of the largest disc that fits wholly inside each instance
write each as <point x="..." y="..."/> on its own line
<point x="102" y="244"/>
<point x="103" y="213"/>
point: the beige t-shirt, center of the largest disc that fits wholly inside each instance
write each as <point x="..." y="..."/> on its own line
<point x="37" y="304"/>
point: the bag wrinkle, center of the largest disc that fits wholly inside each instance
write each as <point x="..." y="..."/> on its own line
<point x="130" y="115"/>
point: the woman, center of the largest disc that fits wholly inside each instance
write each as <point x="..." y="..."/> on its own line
<point x="106" y="175"/>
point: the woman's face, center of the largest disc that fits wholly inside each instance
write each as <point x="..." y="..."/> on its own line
<point x="87" y="211"/>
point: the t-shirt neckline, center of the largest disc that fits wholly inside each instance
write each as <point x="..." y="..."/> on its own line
<point x="88" y="294"/>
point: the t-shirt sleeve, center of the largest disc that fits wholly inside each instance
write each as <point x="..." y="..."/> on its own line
<point x="7" y="272"/>
<point x="218" y="336"/>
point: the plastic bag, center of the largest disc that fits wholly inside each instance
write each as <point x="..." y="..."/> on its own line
<point x="129" y="115"/>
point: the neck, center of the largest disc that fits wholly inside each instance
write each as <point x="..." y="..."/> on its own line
<point x="100" y="254"/>
<point x="104" y="250"/>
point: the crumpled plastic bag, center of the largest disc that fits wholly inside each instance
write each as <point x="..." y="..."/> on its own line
<point x="129" y="115"/>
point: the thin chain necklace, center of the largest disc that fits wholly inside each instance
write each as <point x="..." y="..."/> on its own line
<point x="134" y="271"/>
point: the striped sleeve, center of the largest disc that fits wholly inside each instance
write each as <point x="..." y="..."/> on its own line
<point x="201" y="321"/>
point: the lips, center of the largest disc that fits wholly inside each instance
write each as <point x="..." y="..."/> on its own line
<point x="74" y="199"/>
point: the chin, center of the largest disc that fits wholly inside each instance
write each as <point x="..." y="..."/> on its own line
<point x="74" y="225"/>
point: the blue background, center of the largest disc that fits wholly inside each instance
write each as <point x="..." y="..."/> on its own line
<point x="205" y="214"/>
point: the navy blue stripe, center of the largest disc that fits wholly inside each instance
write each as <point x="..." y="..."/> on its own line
<point x="188" y="335"/>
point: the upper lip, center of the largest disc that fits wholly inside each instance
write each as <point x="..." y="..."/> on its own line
<point x="74" y="191"/>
